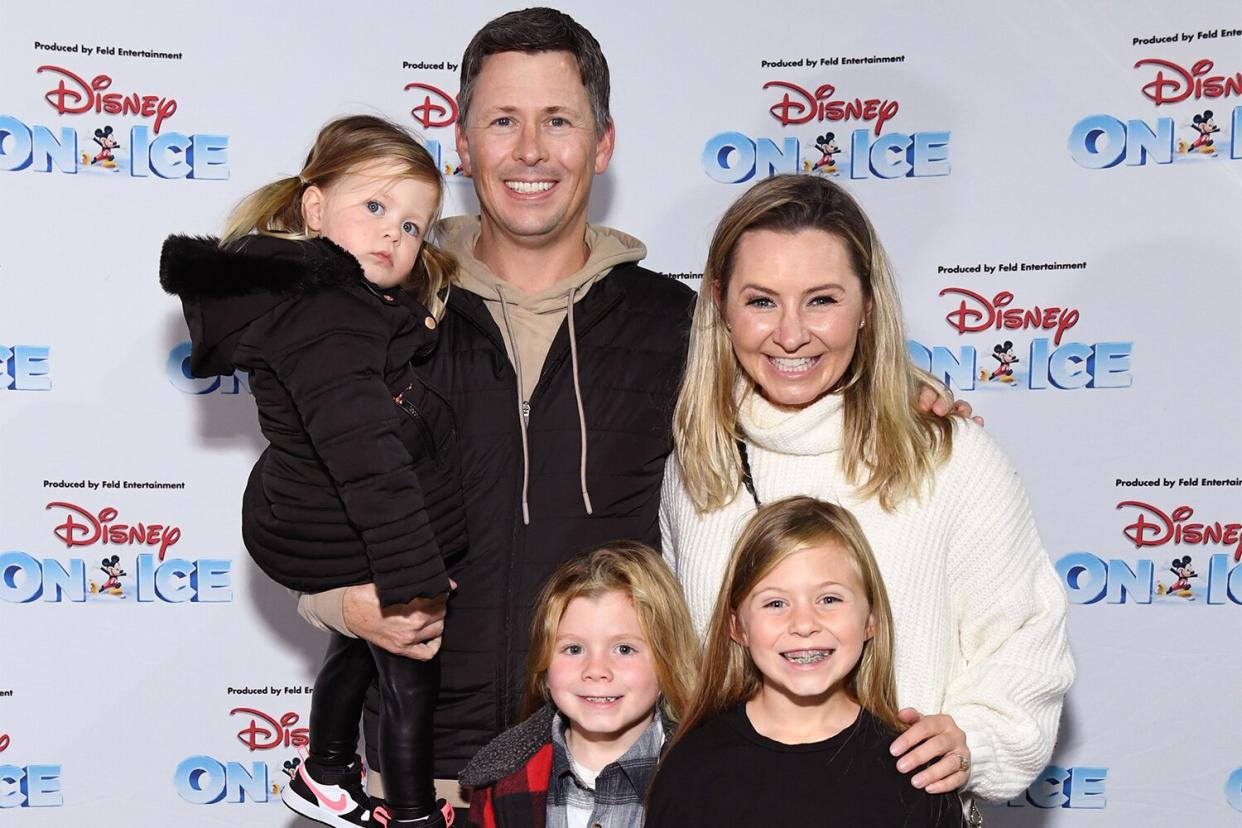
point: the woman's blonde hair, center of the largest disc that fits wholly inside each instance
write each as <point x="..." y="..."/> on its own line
<point x="638" y="572"/>
<point x="342" y="147"/>
<point x="729" y="675"/>
<point x="890" y="447"/>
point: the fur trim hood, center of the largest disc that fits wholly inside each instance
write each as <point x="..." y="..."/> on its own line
<point x="224" y="289"/>
<point x="510" y="750"/>
<point x="195" y="268"/>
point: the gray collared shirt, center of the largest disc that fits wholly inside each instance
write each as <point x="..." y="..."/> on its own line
<point x="616" y="800"/>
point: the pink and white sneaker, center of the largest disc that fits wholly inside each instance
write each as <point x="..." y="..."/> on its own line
<point x="442" y="817"/>
<point x="333" y="796"/>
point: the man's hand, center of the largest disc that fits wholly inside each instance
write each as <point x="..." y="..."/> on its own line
<point x="412" y="630"/>
<point x="929" y="400"/>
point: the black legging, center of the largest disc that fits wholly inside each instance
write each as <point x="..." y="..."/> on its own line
<point x="407" y="690"/>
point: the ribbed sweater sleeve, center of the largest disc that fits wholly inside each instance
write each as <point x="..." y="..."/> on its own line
<point x="1009" y="611"/>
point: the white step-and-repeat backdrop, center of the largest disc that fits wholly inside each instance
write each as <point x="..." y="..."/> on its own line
<point x="1058" y="185"/>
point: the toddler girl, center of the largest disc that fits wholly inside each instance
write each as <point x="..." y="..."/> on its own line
<point x="320" y="291"/>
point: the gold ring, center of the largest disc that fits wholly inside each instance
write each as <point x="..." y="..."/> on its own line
<point x="963" y="764"/>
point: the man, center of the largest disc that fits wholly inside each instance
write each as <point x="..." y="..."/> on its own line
<point x="561" y="357"/>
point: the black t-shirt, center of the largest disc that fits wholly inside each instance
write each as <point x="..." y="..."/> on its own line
<point x="726" y="773"/>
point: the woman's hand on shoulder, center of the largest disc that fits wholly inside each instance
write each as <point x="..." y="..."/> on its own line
<point x="931" y="738"/>
<point x="930" y="401"/>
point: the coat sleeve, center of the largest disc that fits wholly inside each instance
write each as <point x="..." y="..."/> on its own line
<point x="1014" y="663"/>
<point x="667" y="536"/>
<point x="481" y="813"/>
<point x="324" y="610"/>
<point x="331" y="364"/>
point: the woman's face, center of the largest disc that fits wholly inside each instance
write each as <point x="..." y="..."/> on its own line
<point x="795" y="306"/>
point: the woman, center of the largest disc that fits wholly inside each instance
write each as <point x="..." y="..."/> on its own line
<point x="799" y="383"/>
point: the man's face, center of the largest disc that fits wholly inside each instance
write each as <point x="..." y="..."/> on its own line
<point x="529" y="142"/>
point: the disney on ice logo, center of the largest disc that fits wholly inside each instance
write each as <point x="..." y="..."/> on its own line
<point x="1047" y="362"/>
<point x="1181" y="83"/>
<point x="28" y="786"/>
<point x="267" y="733"/>
<point x="25" y="367"/>
<point x="1103" y="141"/>
<point x="206" y="780"/>
<point x="25" y="578"/>
<point x="733" y="157"/>
<point x="1233" y="789"/>
<point x="84" y="96"/>
<point x="105" y="150"/>
<point x="177" y="368"/>
<point x="798" y="105"/>
<point x="436" y="109"/>
<point x="1057" y="787"/>
<point x="83" y="528"/>
<point x="1089" y="578"/>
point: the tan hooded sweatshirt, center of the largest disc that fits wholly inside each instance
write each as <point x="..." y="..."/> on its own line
<point x="533" y="318"/>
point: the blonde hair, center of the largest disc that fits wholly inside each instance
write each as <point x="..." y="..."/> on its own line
<point x="638" y="572"/>
<point x="729" y="675"/>
<point x="890" y="447"/>
<point x="341" y="147"/>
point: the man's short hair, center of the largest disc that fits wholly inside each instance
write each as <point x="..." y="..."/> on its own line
<point x="532" y="31"/>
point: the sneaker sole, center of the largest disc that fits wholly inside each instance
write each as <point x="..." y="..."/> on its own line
<point x="312" y="811"/>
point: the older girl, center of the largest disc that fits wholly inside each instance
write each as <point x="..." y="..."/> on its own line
<point x="796" y="703"/>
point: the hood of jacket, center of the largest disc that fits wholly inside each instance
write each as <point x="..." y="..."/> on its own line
<point x="513" y="748"/>
<point x="223" y="290"/>
<point x="608" y="248"/>
<point x="510" y="750"/>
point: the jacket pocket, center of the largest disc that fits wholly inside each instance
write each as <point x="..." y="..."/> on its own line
<point x="404" y="400"/>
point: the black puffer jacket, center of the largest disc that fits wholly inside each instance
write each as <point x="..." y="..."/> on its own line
<point x="631" y="332"/>
<point x="361" y="482"/>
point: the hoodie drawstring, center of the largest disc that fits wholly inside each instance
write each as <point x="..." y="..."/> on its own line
<point x="517" y="365"/>
<point x="573" y="356"/>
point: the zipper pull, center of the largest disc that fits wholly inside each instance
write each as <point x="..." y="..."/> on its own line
<point x="526" y="412"/>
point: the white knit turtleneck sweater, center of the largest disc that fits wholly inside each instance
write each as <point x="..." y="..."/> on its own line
<point x="979" y="613"/>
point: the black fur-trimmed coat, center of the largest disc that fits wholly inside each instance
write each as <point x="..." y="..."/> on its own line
<point x="361" y="480"/>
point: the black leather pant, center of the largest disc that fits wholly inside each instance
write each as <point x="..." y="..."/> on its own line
<point x="407" y="690"/>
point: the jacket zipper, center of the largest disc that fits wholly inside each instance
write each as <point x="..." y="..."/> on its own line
<point x="420" y="421"/>
<point x="553" y="363"/>
<point x="506" y="625"/>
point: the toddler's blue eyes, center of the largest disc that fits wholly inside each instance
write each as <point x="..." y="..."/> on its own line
<point x="409" y="228"/>
<point x="375" y="207"/>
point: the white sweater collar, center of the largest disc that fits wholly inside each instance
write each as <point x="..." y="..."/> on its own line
<point x="816" y="429"/>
